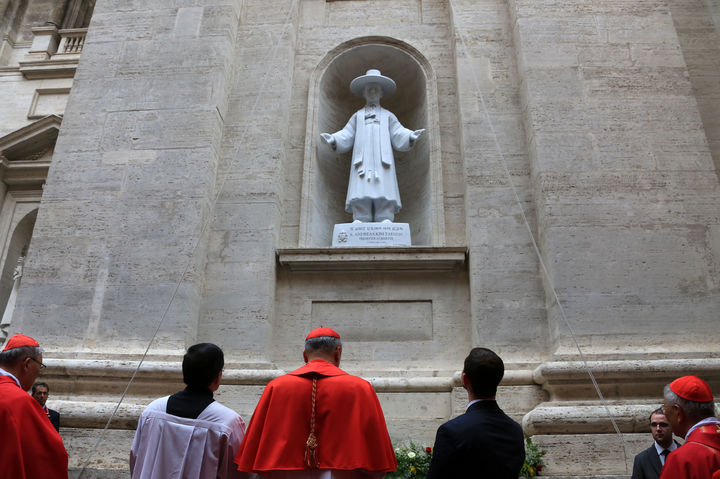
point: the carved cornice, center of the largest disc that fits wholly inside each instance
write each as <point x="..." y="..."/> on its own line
<point x="376" y="259"/>
<point x="55" y="68"/>
<point x="24" y="155"/>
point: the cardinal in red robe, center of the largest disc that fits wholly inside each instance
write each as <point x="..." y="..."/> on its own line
<point x="31" y="447"/>
<point x="690" y="408"/>
<point x="318" y="421"/>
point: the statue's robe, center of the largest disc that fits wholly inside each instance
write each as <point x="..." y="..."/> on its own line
<point x="372" y="133"/>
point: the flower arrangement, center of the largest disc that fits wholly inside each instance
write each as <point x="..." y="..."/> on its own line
<point x="413" y="461"/>
<point x="533" y="459"/>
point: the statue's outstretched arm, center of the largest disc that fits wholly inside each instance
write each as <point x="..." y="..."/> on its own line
<point x="328" y="139"/>
<point x="343" y="140"/>
<point x="415" y="135"/>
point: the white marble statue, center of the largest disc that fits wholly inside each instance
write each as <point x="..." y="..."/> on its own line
<point x="372" y="133"/>
<point x="10" y="307"/>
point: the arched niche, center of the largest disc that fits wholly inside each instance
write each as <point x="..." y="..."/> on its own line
<point x="17" y="246"/>
<point x="331" y="104"/>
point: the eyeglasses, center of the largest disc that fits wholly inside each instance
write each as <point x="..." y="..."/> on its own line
<point x="42" y="366"/>
<point x="660" y="424"/>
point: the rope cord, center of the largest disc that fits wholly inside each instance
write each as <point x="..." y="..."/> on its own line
<point x="526" y="223"/>
<point x="311" y="444"/>
<point x="194" y="248"/>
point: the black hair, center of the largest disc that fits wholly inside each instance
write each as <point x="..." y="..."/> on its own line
<point x="485" y="370"/>
<point x="40" y="384"/>
<point x="659" y="410"/>
<point x="202" y="364"/>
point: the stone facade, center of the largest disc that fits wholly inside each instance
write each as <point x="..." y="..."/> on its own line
<point x="564" y="205"/>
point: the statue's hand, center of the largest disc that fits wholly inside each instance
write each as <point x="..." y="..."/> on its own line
<point x="328" y="139"/>
<point x="415" y="135"/>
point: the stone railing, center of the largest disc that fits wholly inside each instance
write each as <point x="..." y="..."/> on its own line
<point x="71" y="41"/>
<point x="54" y="53"/>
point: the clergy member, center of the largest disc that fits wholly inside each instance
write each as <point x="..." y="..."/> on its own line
<point x="189" y="435"/>
<point x="690" y="409"/>
<point x="318" y="422"/>
<point x="31" y="447"/>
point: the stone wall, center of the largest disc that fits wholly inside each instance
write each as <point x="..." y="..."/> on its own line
<point x="187" y="185"/>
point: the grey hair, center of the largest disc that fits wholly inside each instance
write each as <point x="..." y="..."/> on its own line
<point x="695" y="410"/>
<point x="15" y="355"/>
<point x="322" y="344"/>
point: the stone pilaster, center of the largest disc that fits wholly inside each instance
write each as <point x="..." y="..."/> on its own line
<point x="239" y="303"/>
<point x="508" y="312"/>
<point x="132" y="182"/>
<point x="624" y="184"/>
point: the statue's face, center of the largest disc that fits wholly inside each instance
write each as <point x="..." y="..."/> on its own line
<point x="373" y="92"/>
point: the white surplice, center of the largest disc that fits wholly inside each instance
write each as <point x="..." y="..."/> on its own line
<point x="172" y="447"/>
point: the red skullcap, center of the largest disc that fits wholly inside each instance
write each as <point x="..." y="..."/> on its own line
<point x="20" y="341"/>
<point x="321" y="332"/>
<point x="692" y="388"/>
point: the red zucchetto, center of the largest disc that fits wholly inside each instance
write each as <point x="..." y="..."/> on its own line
<point x="322" y="332"/>
<point x="692" y="388"/>
<point x="20" y="341"/>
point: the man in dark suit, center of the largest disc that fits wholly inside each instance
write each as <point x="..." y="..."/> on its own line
<point x="648" y="463"/>
<point x="41" y="391"/>
<point x="483" y="442"/>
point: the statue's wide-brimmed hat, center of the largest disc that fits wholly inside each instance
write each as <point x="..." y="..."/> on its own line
<point x="357" y="86"/>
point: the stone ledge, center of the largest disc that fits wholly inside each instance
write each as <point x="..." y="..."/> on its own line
<point x="569" y="380"/>
<point x="95" y="414"/>
<point x="554" y="418"/>
<point x="34" y="70"/>
<point x="164" y="370"/>
<point x="373" y="259"/>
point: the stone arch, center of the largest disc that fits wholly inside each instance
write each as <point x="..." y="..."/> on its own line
<point x="16" y="247"/>
<point x="331" y="104"/>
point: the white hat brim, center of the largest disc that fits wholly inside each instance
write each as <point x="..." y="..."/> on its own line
<point x="357" y="86"/>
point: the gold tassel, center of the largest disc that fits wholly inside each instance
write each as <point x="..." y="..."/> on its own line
<point x="312" y="443"/>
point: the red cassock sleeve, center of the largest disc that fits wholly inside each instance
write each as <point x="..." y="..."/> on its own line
<point x="350" y="426"/>
<point x="31" y="447"/>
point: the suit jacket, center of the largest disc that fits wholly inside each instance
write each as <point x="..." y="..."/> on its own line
<point x="482" y="443"/>
<point x="647" y="464"/>
<point x="54" y="418"/>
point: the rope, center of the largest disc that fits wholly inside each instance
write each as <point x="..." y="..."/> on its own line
<point x="312" y="443"/>
<point x="526" y="223"/>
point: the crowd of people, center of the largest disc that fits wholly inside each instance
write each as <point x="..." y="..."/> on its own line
<point x="319" y="422"/>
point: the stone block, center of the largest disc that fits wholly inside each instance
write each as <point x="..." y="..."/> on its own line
<point x="354" y="12"/>
<point x="111" y="458"/>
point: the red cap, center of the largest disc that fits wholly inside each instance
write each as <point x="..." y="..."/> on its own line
<point x="322" y="332"/>
<point x="20" y="341"/>
<point x="692" y="388"/>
